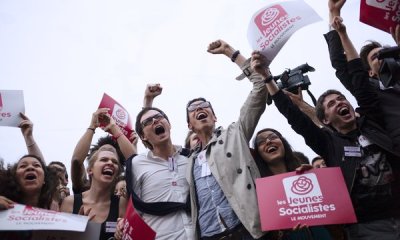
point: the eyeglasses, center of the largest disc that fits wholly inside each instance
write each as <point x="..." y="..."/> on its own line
<point x="193" y="107"/>
<point x="260" y="141"/>
<point x="148" y="121"/>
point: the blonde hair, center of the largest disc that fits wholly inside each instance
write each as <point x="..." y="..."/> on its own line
<point x="95" y="156"/>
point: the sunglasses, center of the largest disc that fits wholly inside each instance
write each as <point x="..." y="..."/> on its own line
<point x="193" y="107"/>
<point x="148" y="121"/>
<point x="260" y="141"/>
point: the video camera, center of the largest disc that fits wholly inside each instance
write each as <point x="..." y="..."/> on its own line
<point x="389" y="72"/>
<point x="291" y="80"/>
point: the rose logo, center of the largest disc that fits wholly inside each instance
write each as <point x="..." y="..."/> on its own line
<point x="269" y="16"/>
<point x="121" y="114"/>
<point x="302" y="186"/>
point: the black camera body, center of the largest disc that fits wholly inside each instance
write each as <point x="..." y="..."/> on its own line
<point x="291" y="80"/>
<point x="389" y="72"/>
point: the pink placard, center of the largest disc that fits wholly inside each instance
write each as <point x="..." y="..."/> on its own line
<point x="118" y="113"/>
<point x="135" y="227"/>
<point x="317" y="197"/>
<point x="380" y="14"/>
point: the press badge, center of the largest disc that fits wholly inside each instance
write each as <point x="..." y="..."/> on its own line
<point x="202" y="161"/>
<point x="352" y="151"/>
<point x="172" y="165"/>
<point x="111" y="227"/>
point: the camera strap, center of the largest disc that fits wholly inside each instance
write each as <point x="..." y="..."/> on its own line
<point x="312" y="97"/>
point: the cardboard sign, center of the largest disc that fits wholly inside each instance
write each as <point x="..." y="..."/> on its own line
<point x="381" y="14"/>
<point x="92" y="232"/>
<point x="135" y="227"/>
<point x="273" y="25"/>
<point x="118" y="113"/>
<point x="11" y="104"/>
<point x="317" y="197"/>
<point x="23" y="217"/>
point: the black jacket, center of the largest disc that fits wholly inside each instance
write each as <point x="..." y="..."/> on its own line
<point x="389" y="98"/>
<point x="330" y="144"/>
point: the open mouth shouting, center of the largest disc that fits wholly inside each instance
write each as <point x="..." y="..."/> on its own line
<point x="343" y="111"/>
<point x="30" y="177"/>
<point x="272" y="149"/>
<point x="159" y="129"/>
<point x="201" y="116"/>
<point x="108" y="171"/>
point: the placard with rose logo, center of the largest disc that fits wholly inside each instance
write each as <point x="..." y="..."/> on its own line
<point x="317" y="197"/>
<point x="118" y="113"/>
<point x="381" y="14"/>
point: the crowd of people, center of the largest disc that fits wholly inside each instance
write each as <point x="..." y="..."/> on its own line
<point x="206" y="189"/>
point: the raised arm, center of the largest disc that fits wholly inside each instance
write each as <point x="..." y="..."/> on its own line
<point x="306" y="108"/>
<point x="335" y="6"/>
<point x="254" y="106"/>
<point x="336" y="51"/>
<point x="221" y="47"/>
<point x="395" y="32"/>
<point x="351" y="52"/>
<point x="78" y="175"/>
<point x="27" y="131"/>
<point x="151" y="92"/>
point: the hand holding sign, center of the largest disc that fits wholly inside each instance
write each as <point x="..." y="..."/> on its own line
<point x="303" y="168"/>
<point x="117" y="112"/>
<point x="5" y="203"/>
<point x="95" y="122"/>
<point x="119" y="230"/>
<point x="26" y="125"/>
<point x="395" y="32"/>
<point x="86" y="213"/>
<point x="106" y="122"/>
<point x="259" y="64"/>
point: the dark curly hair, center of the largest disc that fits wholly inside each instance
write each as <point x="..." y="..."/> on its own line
<point x="291" y="161"/>
<point x="11" y="189"/>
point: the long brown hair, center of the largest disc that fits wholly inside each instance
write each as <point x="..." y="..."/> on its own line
<point x="290" y="160"/>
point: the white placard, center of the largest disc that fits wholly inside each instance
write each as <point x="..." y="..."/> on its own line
<point x="92" y="232"/>
<point x="11" y="104"/>
<point x="271" y="26"/>
<point x="23" y="217"/>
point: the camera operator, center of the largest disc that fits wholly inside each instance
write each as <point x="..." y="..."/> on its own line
<point x="389" y="97"/>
